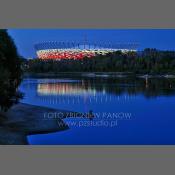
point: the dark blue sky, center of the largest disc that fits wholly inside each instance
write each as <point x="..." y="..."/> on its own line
<point x="155" y="38"/>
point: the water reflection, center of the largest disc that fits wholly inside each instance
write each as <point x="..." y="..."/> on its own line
<point x="65" y="89"/>
<point x="91" y="93"/>
<point x="147" y="87"/>
<point x="149" y="101"/>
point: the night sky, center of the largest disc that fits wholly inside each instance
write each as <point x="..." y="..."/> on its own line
<point x="154" y="38"/>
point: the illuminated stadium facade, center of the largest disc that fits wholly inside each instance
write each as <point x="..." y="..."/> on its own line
<point x="73" y="50"/>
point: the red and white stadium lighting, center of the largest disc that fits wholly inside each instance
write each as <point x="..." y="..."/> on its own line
<point x="77" y="51"/>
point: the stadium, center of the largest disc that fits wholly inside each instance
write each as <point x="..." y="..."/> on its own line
<point x="77" y="50"/>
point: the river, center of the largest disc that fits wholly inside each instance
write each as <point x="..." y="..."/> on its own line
<point x="127" y="111"/>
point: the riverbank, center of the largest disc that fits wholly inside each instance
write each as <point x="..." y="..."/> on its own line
<point x="97" y="74"/>
<point x="23" y="119"/>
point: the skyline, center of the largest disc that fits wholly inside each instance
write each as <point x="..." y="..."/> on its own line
<point x="162" y="39"/>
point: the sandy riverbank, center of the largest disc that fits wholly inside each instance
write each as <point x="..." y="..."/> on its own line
<point x="24" y="119"/>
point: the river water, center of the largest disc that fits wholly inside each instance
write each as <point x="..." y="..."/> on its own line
<point x="132" y="111"/>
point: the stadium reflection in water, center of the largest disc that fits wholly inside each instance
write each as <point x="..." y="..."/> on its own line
<point x="80" y="92"/>
<point x="64" y="89"/>
<point x="149" y="101"/>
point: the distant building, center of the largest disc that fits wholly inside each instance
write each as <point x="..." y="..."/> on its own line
<point x="73" y="50"/>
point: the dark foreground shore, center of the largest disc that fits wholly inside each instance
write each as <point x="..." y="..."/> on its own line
<point x="23" y="119"/>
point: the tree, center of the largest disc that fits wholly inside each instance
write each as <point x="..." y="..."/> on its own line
<point x="148" y="61"/>
<point x="10" y="71"/>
